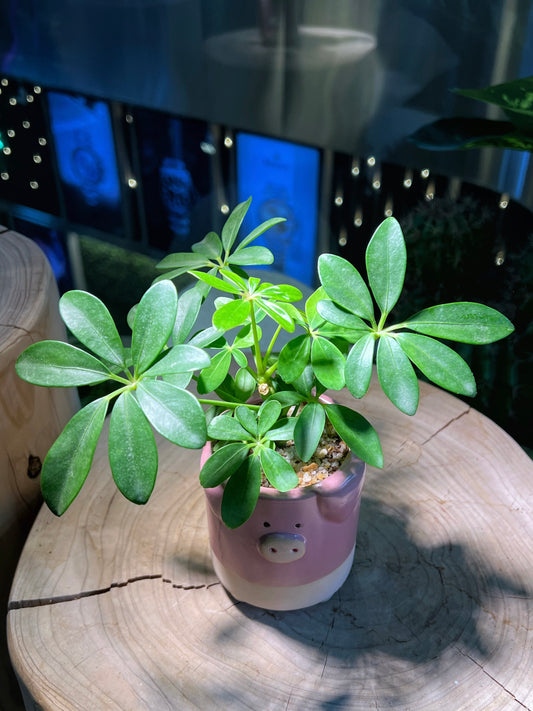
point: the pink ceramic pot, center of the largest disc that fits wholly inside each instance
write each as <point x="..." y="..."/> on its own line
<point x="297" y="548"/>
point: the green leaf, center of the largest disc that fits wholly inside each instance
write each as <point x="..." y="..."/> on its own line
<point x="439" y="363"/>
<point x="281" y="292"/>
<point x="189" y="303"/>
<point x="248" y="418"/>
<point x="173" y="412"/>
<point x="515" y="97"/>
<point x="223" y="463"/>
<point x="358" y="369"/>
<point x="283" y="431"/>
<point x="241" y="493"/>
<point x="464" y="321"/>
<point x="182" y="358"/>
<point x="92" y="324"/>
<point x="331" y="313"/>
<point x="277" y="470"/>
<point x="210" y="247"/>
<point x="60" y="365"/>
<point x="328" y="363"/>
<point x="232" y="314"/>
<point x="396" y="375"/>
<point x="278" y="313"/>
<point x="154" y="319"/>
<point x="252" y="256"/>
<point x="269" y="413"/>
<point x="213" y="376"/>
<point x="216" y="282"/>
<point x="132" y="450"/>
<point x="386" y="259"/>
<point x="293" y="357"/>
<point x="207" y="337"/>
<point x="287" y="397"/>
<point x="256" y="232"/>
<point x="314" y="318"/>
<point x="233" y="224"/>
<point x="179" y="260"/>
<point x="69" y="460"/>
<point x="357" y="432"/>
<point x="226" y="427"/>
<point x="308" y="430"/>
<point x="345" y="286"/>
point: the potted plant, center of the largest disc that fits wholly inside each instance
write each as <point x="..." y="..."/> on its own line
<point x="272" y="405"/>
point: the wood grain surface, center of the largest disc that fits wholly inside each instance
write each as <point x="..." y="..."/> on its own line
<point x="116" y="607"/>
<point x="30" y="418"/>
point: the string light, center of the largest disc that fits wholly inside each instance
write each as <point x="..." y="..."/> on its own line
<point x="132" y="183"/>
<point x="342" y="237"/>
<point x="224" y="209"/>
<point x="355" y="167"/>
<point x="424" y="173"/>
<point x="228" y="141"/>
<point x="371" y="161"/>
<point x="37" y="158"/>
<point x="504" y="201"/>
<point x="34" y="184"/>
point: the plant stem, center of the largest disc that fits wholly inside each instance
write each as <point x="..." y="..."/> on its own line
<point x="226" y="403"/>
<point x="257" y="348"/>
<point x="271" y="345"/>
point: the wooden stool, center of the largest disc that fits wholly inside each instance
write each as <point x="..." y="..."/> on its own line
<point x="115" y="606"/>
<point x="30" y="418"/>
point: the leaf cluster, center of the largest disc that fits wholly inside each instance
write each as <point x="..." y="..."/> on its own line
<point x="338" y="334"/>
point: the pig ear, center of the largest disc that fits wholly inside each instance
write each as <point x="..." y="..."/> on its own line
<point x="337" y="504"/>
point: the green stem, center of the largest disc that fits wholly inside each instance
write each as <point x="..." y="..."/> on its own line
<point x="226" y="403"/>
<point x="257" y="348"/>
<point x="271" y="345"/>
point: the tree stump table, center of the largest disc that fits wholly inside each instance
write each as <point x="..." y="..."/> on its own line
<point x="30" y="418"/>
<point x="116" y="607"/>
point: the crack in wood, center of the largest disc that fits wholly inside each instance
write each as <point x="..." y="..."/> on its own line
<point x="493" y="678"/>
<point x="441" y="429"/>
<point x="40" y="602"/>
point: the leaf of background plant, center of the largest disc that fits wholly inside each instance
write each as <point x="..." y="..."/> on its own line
<point x="239" y="357"/>
<point x="357" y="432"/>
<point x="223" y="463"/>
<point x="313" y="316"/>
<point x="263" y="227"/>
<point x="241" y="493"/>
<point x="206" y="337"/>
<point x="293" y="357"/>
<point x="92" y="324"/>
<point x="328" y="363"/>
<point x="174" y="413"/>
<point x="60" y="365"/>
<point x="439" y="363"/>
<point x="344" y="285"/>
<point x="233" y="224"/>
<point x="182" y="358"/>
<point x="459" y="132"/>
<point x="248" y="418"/>
<point x="231" y="314"/>
<point x="386" y="259"/>
<point x="268" y="416"/>
<point x="213" y="376"/>
<point x="515" y="97"/>
<point x="226" y="427"/>
<point x="154" y="320"/>
<point x="358" y="368"/>
<point x="252" y="256"/>
<point x="331" y="313"/>
<point x="308" y="430"/>
<point x="277" y="470"/>
<point x="189" y="303"/>
<point x="68" y="461"/>
<point x="464" y="321"/>
<point x="132" y="450"/>
<point x="210" y="246"/>
<point x="396" y="375"/>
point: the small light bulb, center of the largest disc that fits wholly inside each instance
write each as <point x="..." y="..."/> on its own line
<point x="224" y="209"/>
<point x="36" y="89"/>
<point x="128" y="118"/>
<point x="37" y="158"/>
<point x="4" y="176"/>
<point x="228" y="142"/>
<point x="6" y="150"/>
<point x="34" y="184"/>
<point x="504" y="201"/>
<point x="13" y="101"/>
<point x="41" y="141"/>
<point x="4" y="82"/>
<point x="26" y="124"/>
<point x="132" y="183"/>
<point x="339" y="199"/>
<point x="10" y="132"/>
<point x="500" y="258"/>
<point x="29" y="98"/>
<point x="371" y="161"/>
<point x="424" y="173"/>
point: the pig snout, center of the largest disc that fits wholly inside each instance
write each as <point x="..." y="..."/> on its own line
<point x="282" y="547"/>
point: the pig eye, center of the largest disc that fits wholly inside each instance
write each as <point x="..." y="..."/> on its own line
<point x="297" y="525"/>
<point x="266" y="524"/>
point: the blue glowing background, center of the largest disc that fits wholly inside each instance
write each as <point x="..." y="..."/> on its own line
<point x="283" y="179"/>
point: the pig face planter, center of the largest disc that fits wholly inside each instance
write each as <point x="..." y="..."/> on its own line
<point x="297" y="548"/>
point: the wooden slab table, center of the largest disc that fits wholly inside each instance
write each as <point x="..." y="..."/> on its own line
<point x="115" y="606"/>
